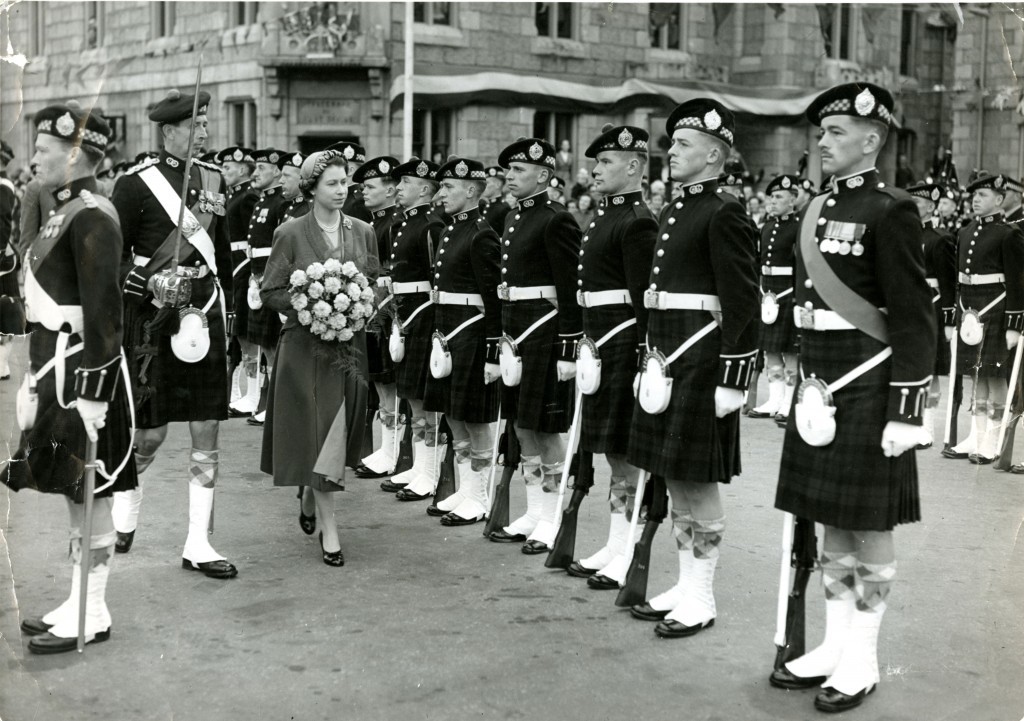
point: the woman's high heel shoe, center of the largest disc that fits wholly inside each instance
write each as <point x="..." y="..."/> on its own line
<point x="331" y="558"/>
<point x="306" y="523"/>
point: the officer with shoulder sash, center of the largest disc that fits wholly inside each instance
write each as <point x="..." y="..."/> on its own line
<point x="847" y="459"/>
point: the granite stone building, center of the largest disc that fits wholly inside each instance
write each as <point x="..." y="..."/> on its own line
<point x="301" y="75"/>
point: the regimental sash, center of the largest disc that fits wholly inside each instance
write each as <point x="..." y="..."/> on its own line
<point x="193" y="227"/>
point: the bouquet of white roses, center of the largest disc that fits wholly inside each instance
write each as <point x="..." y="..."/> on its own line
<point x="333" y="299"/>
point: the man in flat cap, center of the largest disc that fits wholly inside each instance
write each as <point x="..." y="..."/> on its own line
<point x="467" y="325"/>
<point x="701" y="348"/>
<point x="492" y="202"/>
<point x="847" y="459"/>
<point x="12" y="321"/>
<point x="415" y="235"/>
<point x="614" y="263"/>
<point x="74" y="391"/>
<point x="990" y="315"/>
<point x="379" y="192"/>
<point x="174" y="314"/>
<point x="355" y="155"/>
<point x="541" y="325"/>
<point x="298" y="202"/>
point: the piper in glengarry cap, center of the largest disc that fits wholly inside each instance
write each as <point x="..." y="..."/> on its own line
<point x="177" y="347"/>
<point x="854" y="470"/>
<point x="74" y="388"/>
<point x="701" y="348"/>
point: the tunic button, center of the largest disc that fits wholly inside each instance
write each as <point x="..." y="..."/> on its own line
<point x="504" y="270"/>
<point x="517" y="216"/>
<point x="671" y="221"/>
<point x="808" y="283"/>
<point x="581" y="253"/>
<point x="821" y="221"/>
<point x="505" y="257"/>
<point x="656" y="270"/>
<point x="654" y="286"/>
<point x="511" y="229"/>
<point x="809" y="305"/>
<point x="592" y="225"/>
<point x="442" y="251"/>
<point x="437" y="275"/>
<point x="679" y="205"/>
<point x="404" y="223"/>
<point x="579" y="283"/>
<point x="664" y="236"/>
<point x="970" y="251"/>
<point x="508" y="242"/>
<point x="579" y="267"/>
<point x="661" y="252"/>
<point x="450" y="227"/>
<point x="438" y="264"/>
<point x="968" y="260"/>
<point x="396" y="245"/>
<point x="830" y="202"/>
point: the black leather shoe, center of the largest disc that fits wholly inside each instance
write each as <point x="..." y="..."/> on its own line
<point x="602" y="583"/>
<point x="955" y="455"/>
<point x="364" y="471"/>
<point x="48" y="643"/>
<point x="450" y="519"/>
<point x="404" y="494"/>
<point x="923" y="446"/>
<point x="534" y="547"/>
<point x="253" y="422"/>
<point x="391" y="487"/>
<point x="832" y="701"/>
<point x="646" y="612"/>
<point x="784" y="678"/>
<point x="578" y="570"/>
<point x="674" y="629"/>
<point x="232" y="413"/>
<point x="124" y="542"/>
<point x="213" y="569"/>
<point x="433" y="510"/>
<point x="331" y="558"/>
<point x="979" y="460"/>
<point x="781" y="421"/>
<point x="307" y="523"/>
<point x="1017" y="468"/>
<point x="759" y="414"/>
<point x="500" y="536"/>
<point x="35" y="626"/>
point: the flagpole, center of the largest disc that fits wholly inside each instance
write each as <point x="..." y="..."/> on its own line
<point x="407" y="95"/>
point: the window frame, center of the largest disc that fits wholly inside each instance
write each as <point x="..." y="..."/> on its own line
<point x="163" y="17"/>
<point x="682" y="11"/>
<point x="244" y="13"/>
<point x="552" y="20"/>
<point x="241" y="114"/>
<point x="424" y="120"/>
<point x="95" y="10"/>
<point x="842" y="33"/>
<point x="428" y="14"/>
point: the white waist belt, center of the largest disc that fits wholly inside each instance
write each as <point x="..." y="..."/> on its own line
<point x="192" y="272"/>
<point x="420" y="286"/>
<point x="820" y="320"/>
<point x="239" y="245"/>
<point x="933" y="282"/>
<point x="982" y="279"/>
<point x="259" y="253"/>
<point x="660" y="300"/>
<point x="776" y="270"/>
<point x="444" y="298"/>
<point x="384" y="281"/>
<point x="593" y="299"/>
<point x="531" y="292"/>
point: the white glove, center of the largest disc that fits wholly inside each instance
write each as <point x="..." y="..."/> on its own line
<point x="1012" y="336"/>
<point x="492" y="372"/>
<point x="566" y="370"/>
<point x="636" y="385"/>
<point x="727" y="400"/>
<point x="949" y="330"/>
<point x="898" y="438"/>
<point x="94" y="416"/>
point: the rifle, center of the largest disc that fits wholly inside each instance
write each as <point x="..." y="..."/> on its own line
<point x="404" y="461"/>
<point x="88" y="490"/>
<point x="1008" y="427"/>
<point x="446" y="478"/>
<point x="497" y="518"/>
<point x="570" y="467"/>
<point x="634" y="588"/>
<point x="564" y="546"/>
<point x="956" y="395"/>
<point x="799" y="550"/>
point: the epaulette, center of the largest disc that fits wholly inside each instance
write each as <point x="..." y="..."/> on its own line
<point x="141" y="166"/>
<point x="88" y="199"/>
<point x="204" y="164"/>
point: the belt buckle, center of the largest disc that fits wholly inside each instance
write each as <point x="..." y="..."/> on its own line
<point x="651" y="299"/>
<point x="503" y="293"/>
<point x="435" y="296"/>
<point x="580" y="299"/>
<point x="807" y="318"/>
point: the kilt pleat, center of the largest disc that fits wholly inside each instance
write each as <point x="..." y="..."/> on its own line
<point x="687" y="442"/>
<point x="463" y="395"/>
<point x="607" y="415"/>
<point x="780" y="336"/>
<point x="412" y="371"/>
<point x="540" y="402"/>
<point x="850" y="483"/>
<point x="263" y="327"/>
<point x="990" y="357"/>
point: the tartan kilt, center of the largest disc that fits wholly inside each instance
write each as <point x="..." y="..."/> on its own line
<point x="382" y="368"/>
<point x="540" y="402"/>
<point x="780" y="336"/>
<point x="263" y="327"/>
<point x="687" y="442"/>
<point x="848" y="484"/>
<point x="463" y="395"/>
<point x="607" y="415"/>
<point x="991" y="356"/>
<point x="51" y="456"/>
<point x="175" y="391"/>
<point x="942" y="350"/>
<point x="240" y="297"/>
<point x="411" y="373"/>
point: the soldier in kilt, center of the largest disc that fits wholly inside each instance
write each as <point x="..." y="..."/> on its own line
<point x="778" y="339"/>
<point x="991" y="275"/>
<point x="236" y="166"/>
<point x="703" y="291"/>
<point x="467" y="323"/>
<point x="166" y="388"/>
<point x="940" y="269"/>
<point x="492" y="203"/>
<point x="73" y="302"/>
<point x="413" y="246"/>
<point x="379" y="193"/>
<point x="298" y="202"/>
<point x="852" y="472"/>
<point x="615" y="258"/>
<point x="540" y="254"/>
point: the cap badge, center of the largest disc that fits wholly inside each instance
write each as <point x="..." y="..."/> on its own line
<point x="553" y="182"/>
<point x="786" y="182"/>
<point x="864" y="103"/>
<point x="348" y="152"/>
<point x="65" y="124"/>
<point x="274" y="157"/>
<point x="998" y="182"/>
<point x="297" y="160"/>
<point x="461" y="169"/>
<point x="492" y="172"/>
<point x="422" y="169"/>
<point x="238" y="155"/>
<point x="383" y="166"/>
<point x="935" y="194"/>
<point x="625" y="138"/>
<point x="536" y="151"/>
<point x="712" y="120"/>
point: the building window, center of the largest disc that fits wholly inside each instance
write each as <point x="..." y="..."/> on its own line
<point x="162" y="19"/>
<point x="908" y="46"/>
<point x="837" y="30"/>
<point x="36" y="29"/>
<point x="433" y="13"/>
<point x="554" y="127"/>
<point x="555" y="19"/>
<point x="242" y="122"/>
<point x="667" y="24"/>
<point x="94" y="22"/>
<point x="244" y="13"/>
<point x="117" y="125"/>
<point x="432" y="134"/>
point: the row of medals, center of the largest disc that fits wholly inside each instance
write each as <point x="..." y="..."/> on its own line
<point x="842" y="247"/>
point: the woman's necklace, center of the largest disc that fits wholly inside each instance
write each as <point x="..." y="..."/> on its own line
<point x="330" y="228"/>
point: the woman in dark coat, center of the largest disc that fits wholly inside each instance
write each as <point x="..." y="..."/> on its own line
<point x="318" y="391"/>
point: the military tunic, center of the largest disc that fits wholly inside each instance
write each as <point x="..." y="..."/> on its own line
<point x="355" y="206"/>
<point x="540" y="247"/>
<point x="378" y="330"/>
<point x="73" y="264"/>
<point x="850" y="483"/>
<point x="615" y="254"/>
<point x="706" y="247"/>
<point x="166" y="389"/>
<point x="10" y="294"/>
<point x="297" y="207"/>
<point x="494" y="211"/>
<point x="238" y="211"/>
<point x="264" y="325"/>
<point x="414" y="239"/>
<point x="940" y="269"/>
<point x="778" y="245"/>
<point x="468" y="262"/>
<point x="991" y="263"/>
